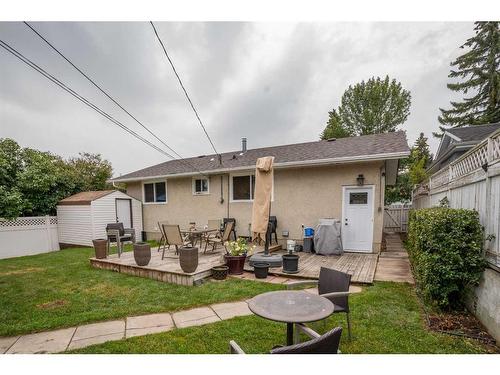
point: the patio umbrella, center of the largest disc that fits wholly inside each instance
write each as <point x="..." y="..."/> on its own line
<point x="261" y="210"/>
<point x="262" y="197"/>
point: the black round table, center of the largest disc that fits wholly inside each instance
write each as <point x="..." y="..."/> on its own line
<point x="291" y="307"/>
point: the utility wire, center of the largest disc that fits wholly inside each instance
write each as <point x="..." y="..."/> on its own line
<point x="184" y="89"/>
<point x="110" y="97"/>
<point x="47" y="75"/>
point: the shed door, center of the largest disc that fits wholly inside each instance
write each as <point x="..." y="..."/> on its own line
<point x="124" y="212"/>
<point x="357" y="220"/>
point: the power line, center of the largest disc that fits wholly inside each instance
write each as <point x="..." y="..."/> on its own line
<point x="110" y="97"/>
<point x="47" y="75"/>
<point x="184" y="89"/>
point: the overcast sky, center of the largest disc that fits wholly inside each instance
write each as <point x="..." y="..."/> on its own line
<point x="271" y="83"/>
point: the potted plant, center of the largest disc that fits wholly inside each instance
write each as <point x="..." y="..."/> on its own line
<point x="236" y="253"/>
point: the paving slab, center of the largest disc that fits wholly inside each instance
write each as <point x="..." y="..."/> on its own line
<point x="99" y="329"/>
<point x="230" y="310"/>
<point x="147" y="331"/>
<point x="77" y="344"/>
<point x="195" y="317"/>
<point x="148" y="321"/>
<point x="43" y="342"/>
<point x="6" y="343"/>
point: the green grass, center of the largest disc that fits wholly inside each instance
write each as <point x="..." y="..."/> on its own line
<point x="60" y="289"/>
<point x="386" y="319"/>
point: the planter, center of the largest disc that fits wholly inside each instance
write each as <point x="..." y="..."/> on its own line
<point x="188" y="259"/>
<point x="100" y="246"/>
<point x="235" y="263"/>
<point x="220" y="272"/>
<point x="142" y="253"/>
<point x="261" y="270"/>
<point x="290" y="263"/>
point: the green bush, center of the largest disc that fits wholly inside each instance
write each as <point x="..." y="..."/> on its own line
<point x="445" y="248"/>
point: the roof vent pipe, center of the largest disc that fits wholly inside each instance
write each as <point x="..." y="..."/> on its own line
<point x="243" y="144"/>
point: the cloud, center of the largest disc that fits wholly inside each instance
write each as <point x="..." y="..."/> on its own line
<point x="273" y="83"/>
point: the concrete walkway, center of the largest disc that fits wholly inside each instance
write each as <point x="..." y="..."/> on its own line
<point x="393" y="263"/>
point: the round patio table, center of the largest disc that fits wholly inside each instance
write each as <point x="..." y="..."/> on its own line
<point x="291" y="307"/>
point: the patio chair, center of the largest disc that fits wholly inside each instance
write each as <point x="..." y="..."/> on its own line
<point x="213" y="225"/>
<point x="173" y="237"/>
<point x="319" y="344"/>
<point x="118" y="234"/>
<point x="227" y="220"/>
<point x="220" y="240"/>
<point x="274" y="226"/>
<point x="163" y="238"/>
<point x="333" y="285"/>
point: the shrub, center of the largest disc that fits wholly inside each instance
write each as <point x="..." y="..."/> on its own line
<point x="445" y="248"/>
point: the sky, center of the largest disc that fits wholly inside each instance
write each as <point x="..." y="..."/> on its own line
<point x="273" y="83"/>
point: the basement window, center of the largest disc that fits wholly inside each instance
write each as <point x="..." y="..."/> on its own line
<point x="155" y="192"/>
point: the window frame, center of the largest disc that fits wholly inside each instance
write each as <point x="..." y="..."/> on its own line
<point x="193" y="186"/>
<point x="154" y="182"/>
<point x="240" y="174"/>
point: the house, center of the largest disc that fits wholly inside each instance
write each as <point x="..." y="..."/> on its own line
<point x="336" y="178"/>
<point x="83" y="217"/>
<point x="457" y="141"/>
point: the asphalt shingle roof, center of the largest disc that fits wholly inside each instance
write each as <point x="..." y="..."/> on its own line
<point x="84" y="198"/>
<point x="474" y="132"/>
<point x="368" y="146"/>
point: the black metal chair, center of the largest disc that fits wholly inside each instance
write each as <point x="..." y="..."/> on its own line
<point x="227" y="220"/>
<point x="320" y="344"/>
<point x="334" y="285"/>
<point x="118" y="234"/>
<point x="274" y="226"/>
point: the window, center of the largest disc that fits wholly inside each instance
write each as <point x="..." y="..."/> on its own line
<point x="243" y="188"/>
<point x="358" y="198"/>
<point x="155" y="192"/>
<point x="200" y="186"/>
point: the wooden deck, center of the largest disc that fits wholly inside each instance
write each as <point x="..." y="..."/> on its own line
<point x="167" y="270"/>
<point x="361" y="266"/>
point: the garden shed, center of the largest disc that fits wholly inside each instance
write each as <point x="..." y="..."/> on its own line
<point x="83" y="217"/>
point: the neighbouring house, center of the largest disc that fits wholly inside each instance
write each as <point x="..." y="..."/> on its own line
<point x="83" y="217"/>
<point x="337" y="178"/>
<point x="467" y="173"/>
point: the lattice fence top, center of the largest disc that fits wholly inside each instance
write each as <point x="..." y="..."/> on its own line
<point x="470" y="162"/>
<point x="32" y="221"/>
<point x="495" y="145"/>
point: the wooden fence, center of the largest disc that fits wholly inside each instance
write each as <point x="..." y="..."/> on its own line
<point x="396" y="218"/>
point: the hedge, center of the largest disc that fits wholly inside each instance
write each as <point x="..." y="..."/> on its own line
<point x="445" y="249"/>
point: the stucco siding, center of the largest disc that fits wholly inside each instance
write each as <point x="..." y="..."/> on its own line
<point x="301" y="196"/>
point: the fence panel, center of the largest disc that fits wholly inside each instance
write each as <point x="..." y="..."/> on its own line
<point x="28" y="236"/>
<point x="396" y="218"/>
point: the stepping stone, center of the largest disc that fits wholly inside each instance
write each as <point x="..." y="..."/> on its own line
<point x="43" y="342"/>
<point x="6" y="343"/>
<point x="147" y="324"/>
<point x="99" y="329"/>
<point x="230" y="310"/>
<point x="82" y="343"/>
<point x="195" y="317"/>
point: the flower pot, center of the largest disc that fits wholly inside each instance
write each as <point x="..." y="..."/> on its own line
<point x="261" y="270"/>
<point x="142" y="253"/>
<point x="290" y="263"/>
<point x="100" y="248"/>
<point x="188" y="259"/>
<point x="235" y="263"/>
<point x="219" y="272"/>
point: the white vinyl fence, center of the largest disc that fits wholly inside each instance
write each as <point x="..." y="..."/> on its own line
<point x="472" y="181"/>
<point x="28" y="236"/>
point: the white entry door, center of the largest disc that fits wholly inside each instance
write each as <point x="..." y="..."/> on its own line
<point x="357" y="219"/>
<point x="124" y="212"/>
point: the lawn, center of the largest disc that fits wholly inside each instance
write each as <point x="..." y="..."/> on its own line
<point x="386" y="319"/>
<point x="60" y="289"/>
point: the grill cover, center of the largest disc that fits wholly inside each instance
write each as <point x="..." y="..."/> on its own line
<point x="327" y="240"/>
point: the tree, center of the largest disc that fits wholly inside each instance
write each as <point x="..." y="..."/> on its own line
<point x="376" y="106"/>
<point x="478" y="71"/>
<point x="32" y="182"/>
